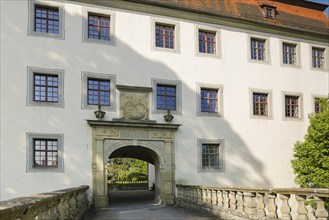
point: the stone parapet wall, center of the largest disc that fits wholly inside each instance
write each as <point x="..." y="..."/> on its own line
<point x="69" y="203"/>
<point x="255" y="203"/>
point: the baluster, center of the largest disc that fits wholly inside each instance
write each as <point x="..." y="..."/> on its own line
<point x="240" y="202"/>
<point x="51" y="213"/>
<point x="285" y="208"/>
<point x="200" y="196"/>
<point x="321" y="213"/>
<point x="271" y="207"/>
<point x="195" y="198"/>
<point x="232" y="200"/>
<point x="249" y="203"/>
<point x="214" y="198"/>
<point x="301" y="210"/>
<point x="260" y="209"/>
<point x="209" y="201"/>
<point x="225" y="199"/>
<point x="73" y="207"/>
<point x="220" y="199"/>
<point x="63" y="207"/>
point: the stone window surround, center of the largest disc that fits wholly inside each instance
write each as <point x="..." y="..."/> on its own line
<point x="219" y="87"/>
<point x="178" y="85"/>
<point x="165" y="21"/>
<point x="217" y="37"/>
<point x="326" y="58"/>
<point x="84" y="92"/>
<point x="31" y="21"/>
<point x="269" y="93"/>
<point x="267" y="48"/>
<point x="298" y="54"/>
<point x="101" y="12"/>
<point x="30" y="87"/>
<point x="221" y="143"/>
<point x="300" y="106"/>
<point x="29" y="159"/>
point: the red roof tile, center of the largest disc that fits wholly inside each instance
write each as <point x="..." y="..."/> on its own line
<point x="293" y="14"/>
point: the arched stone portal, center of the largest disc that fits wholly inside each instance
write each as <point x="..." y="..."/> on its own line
<point x="137" y="138"/>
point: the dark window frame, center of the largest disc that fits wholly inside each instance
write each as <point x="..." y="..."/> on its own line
<point x="318" y="57"/>
<point x="289" y="57"/>
<point x="47" y="19"/>
<point x="260" y="107"/>
<point x="99" y="26"/>
<point x="317" y="106"/>
<point x="207" y="42"/>
<point x="99" y="91"/>
<point x="292" y="106"/>
<point x="209" y="100"/>
<point x="47" y="87"/>
<point x="46" y="151"/>
<point x="166" y="94"/>
<point x="161" y="36"/>
<point x="207" y="158"/>
<point x="258" y="49"/>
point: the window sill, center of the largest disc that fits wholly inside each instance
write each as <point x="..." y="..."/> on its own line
<point x="102" y="42"/>
<point x="59" y="36"/>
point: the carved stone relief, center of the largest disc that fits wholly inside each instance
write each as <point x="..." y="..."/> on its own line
<point x="134" y="102"/>
<point x="134" y="106"/>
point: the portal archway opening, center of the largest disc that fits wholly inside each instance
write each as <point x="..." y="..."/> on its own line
<point x="132" y="175"/>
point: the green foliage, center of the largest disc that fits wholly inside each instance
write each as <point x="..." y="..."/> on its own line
<point x="127" y="169"/>
<point x="311" y="163"/>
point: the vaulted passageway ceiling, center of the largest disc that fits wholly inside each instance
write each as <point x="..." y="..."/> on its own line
<point x="135" y="152"/>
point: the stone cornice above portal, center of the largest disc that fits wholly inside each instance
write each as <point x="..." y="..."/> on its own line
<point x="133" y="124"/>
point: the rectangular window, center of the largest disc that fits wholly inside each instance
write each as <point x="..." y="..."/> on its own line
<point x="209" y="100"/>
<point x="99" y="27"/>
<point x="289" y="53"/>
<point x="207" y="42"/>
<point x="317" y="107"/>
<point x="260" y="104"/>
<point x="258" y="49"/>
<point x="165" y="36"/>
<point x="210" y="156"/>
<point x="318" y="58"/>
<point x="45" y="153"/>
<point x="45" y="88"/>
<point x="269" y="12"/>
<point x="98" y="92"/>
<point x="291" y="106"/>
<point x="166" y="97"/>
<point x="46" y="19"/>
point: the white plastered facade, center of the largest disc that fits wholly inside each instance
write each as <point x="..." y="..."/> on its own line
<point x="257" y="151"/>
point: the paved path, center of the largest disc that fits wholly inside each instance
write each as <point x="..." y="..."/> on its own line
<point x="140" y="205"/>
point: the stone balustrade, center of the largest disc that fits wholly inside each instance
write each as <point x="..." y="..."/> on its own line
<point x="255" y="203"/>
<point x="62" y="204"/>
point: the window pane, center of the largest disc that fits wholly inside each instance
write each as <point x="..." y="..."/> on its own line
<point x="45" y="88"/>
<point x="98" y="92"/>
<point x="209" y="100"/>
<point x="166" y="97"/>
<point x="210" y="156"/>
<point x="99" y="27"/>
<point x="164" y="36"/>
<point x="207" y="42"/>
<point x="46" y="19"/>
<point x="257" y="49"/>
<point x="45" y="152"/>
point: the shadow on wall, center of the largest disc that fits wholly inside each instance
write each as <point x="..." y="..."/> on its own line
<point x="131" y="68"/>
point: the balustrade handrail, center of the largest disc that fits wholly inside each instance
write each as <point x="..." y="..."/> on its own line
<point x="323" y="192"/>
<point x="255" y="203"/>
<point x="69" y="203"/>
